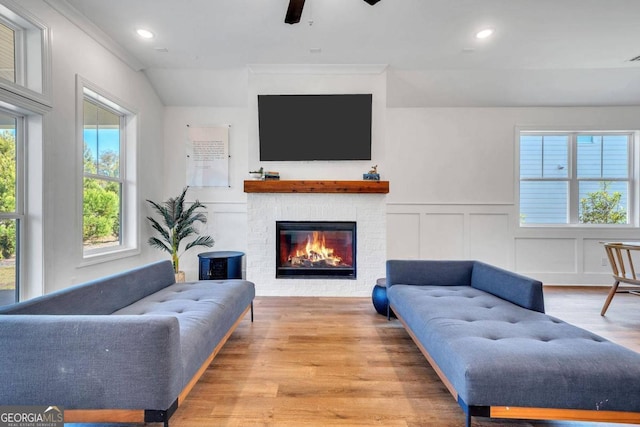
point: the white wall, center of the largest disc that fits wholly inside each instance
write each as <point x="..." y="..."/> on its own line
<point x="73" y="52"/>
<point x="453" y="190"/>
<point x="227" y="207"/>
<point x="451" y="170"/>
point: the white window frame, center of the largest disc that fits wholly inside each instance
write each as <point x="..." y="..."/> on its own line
<point x="29" y="99"/>
<point x="129" y="227"/>
<point x="30" y="192"/>
<point x="573" y="181"/>
<point x="33" y="55"/>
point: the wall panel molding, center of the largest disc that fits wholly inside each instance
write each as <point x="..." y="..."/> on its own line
<point x="457" y="231"/>
<point x="491" y="233"/>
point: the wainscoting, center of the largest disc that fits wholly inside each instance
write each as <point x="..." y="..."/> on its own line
<point x="491" y="233"/>
<point x="448" y="231"/>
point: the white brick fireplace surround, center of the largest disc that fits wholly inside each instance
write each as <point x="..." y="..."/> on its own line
<point x="367" y="210"/>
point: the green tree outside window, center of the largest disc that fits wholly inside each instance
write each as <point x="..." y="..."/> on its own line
<point x="602" y="207"/>
<point x="7" y="194"/>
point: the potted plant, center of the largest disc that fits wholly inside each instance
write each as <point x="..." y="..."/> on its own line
<point x="177" y="224"/>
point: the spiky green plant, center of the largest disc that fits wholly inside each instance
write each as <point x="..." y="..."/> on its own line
<point x="178" y="224"/>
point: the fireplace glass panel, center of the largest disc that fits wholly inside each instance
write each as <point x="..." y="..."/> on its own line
<point x="316" y="249"/>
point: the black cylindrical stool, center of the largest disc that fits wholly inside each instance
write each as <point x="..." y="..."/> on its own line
<point x="379" y="297"/>
<point x="220" y="265"/>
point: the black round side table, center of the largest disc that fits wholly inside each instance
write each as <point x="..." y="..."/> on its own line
<point x="379" y="297"/>
<point x="220" y="265"/>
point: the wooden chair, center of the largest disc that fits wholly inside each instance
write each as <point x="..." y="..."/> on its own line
<point x="623" y="270"/>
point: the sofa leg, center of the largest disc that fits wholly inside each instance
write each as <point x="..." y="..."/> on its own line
<point x="155" y="416"/>
<point x="469" y="411"/>
<point x="251" y="311"/>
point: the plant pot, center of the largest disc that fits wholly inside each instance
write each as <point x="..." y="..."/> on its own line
<point x="180" y="277"/>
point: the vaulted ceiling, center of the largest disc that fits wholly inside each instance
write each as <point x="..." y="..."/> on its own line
<point x="543" y="52"/>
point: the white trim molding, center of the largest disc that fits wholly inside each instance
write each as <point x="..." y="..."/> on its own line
<point x="92" y="30"/>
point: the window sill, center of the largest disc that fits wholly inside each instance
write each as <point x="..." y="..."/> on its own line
<point x="106" y="256"/>
<point x="580" y="226"/>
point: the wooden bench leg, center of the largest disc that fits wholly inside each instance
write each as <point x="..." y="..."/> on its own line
<point x="612" y="292"/>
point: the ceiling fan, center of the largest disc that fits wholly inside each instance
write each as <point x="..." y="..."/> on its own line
<point x="294" y="11"/>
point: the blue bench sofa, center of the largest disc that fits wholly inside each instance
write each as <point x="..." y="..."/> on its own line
<point x="124" y="348"/>
<point x="484" y="331"/>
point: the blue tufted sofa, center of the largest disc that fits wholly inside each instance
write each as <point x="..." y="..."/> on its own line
<point x="484" y="331"/>
<point x="125" y="348"/>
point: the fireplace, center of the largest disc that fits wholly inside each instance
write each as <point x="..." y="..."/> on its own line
<point x="316" y="249"/>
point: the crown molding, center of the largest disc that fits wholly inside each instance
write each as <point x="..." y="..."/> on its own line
<point x="93" y="31"/>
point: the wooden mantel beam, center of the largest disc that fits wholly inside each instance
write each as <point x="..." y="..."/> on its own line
<point x="317" y="186"/>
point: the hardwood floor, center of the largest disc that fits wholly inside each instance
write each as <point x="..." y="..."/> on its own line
<point x="335" y="361"/>
<point x="581" y="306"/>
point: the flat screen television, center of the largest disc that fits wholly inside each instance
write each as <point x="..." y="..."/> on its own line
<point x="314" y="127"/>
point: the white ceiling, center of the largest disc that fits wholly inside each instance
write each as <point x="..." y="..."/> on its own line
<point x="428" y="45"/>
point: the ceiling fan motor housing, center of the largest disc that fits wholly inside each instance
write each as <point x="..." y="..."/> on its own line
<point x="294" y="11"/>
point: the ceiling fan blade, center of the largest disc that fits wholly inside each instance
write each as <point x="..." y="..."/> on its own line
<point x="294" y="11"/>
<point x="372" y="2"/>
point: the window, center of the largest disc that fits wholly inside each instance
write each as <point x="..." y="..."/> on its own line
<point x="24" y="53"/>
<point x="11" y="213"/>
<point x="108" y="206"/>
<point x="24" y="83"/>
<point x="576" y="178"/>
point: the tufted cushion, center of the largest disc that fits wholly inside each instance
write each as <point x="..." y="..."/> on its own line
<point x="205" y="310"/>
<point x="497" y="353"/>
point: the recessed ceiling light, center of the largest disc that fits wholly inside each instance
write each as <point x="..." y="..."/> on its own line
<point x="145" y="34"/>
<point x="483" y="34"/>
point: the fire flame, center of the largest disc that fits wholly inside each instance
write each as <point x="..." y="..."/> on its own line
<point x="316" y="250"/>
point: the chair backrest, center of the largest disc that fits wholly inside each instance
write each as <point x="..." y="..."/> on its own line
<point x="620" y="256"/>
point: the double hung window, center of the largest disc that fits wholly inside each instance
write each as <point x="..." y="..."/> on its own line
<point x="102" y="184"/>
<point x="576" y="178"/>
<point x="24" y="99"/>
<point x="108" y="199"/>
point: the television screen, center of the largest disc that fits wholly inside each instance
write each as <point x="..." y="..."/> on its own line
<point x="315" y="127"/>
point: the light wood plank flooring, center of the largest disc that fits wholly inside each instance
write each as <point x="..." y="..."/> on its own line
<point x="335" y="361"/>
